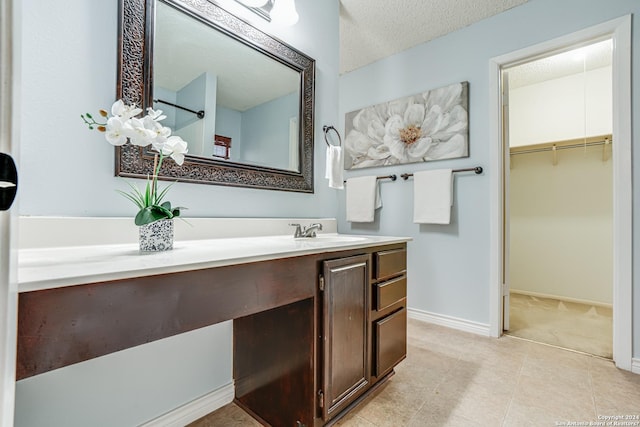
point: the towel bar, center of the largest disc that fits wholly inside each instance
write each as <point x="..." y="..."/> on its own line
<point x="478" y="170"/>
<point x="391" y="177"/>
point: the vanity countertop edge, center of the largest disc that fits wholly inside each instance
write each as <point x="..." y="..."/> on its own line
<point x="47" y="268"/>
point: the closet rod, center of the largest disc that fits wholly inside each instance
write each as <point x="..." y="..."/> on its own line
<point x="478" y="170"/>
<point x="562" y="147"/>
<point x="200" y="113"/>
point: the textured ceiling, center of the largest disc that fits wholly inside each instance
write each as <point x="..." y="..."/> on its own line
<point x="185" y="48"/>
<point x="562" y="64"/>
<point x="374" y="29"/>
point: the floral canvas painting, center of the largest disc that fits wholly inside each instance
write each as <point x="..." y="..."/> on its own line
<point x="431" y="125"/>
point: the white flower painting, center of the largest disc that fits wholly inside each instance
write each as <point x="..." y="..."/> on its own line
<point x="432" y="125"/>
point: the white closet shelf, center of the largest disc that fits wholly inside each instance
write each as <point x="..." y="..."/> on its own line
<point x="562" y="145"/>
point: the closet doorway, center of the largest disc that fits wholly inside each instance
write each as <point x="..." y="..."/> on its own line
<point x="559" y="199"/>
<point x="619" y="30"/>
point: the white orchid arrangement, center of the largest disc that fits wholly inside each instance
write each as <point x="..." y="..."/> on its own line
<point x="122" y="127"/>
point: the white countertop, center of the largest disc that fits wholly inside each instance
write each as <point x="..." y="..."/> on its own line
<point x="47" y="268"/>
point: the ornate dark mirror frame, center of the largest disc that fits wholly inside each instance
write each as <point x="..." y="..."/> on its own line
<point x="135" y="83"/>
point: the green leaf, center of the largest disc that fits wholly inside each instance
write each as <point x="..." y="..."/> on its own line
<point x="149" y="203"/>
<point x="176" y="210"/>
<point x="135" y="200"/>
<point x="160" y="196"/>
<point x="161" y="210"/>
<point x="148" y="194"/>
<point x="135" y="196"/>
<point x="148" y="215"/>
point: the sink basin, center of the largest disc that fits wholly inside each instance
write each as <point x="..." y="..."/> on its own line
<point x="321" y="239"/>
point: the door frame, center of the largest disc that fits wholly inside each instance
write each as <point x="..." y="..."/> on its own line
<point x="8" y="219"/>
<point x="619" y="30"/>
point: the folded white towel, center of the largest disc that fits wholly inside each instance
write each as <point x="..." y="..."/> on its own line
<point x="432" y="196"/>
<point x="363" y="198"/>
<point x="334" y="167"/>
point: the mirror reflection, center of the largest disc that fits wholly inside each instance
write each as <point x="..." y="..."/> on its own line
<point x="228" y="101"/>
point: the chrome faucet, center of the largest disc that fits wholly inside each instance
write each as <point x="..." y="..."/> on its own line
<point x="309" y="231"/>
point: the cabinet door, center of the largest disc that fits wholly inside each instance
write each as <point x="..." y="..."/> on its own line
<point x="345" y="336"/>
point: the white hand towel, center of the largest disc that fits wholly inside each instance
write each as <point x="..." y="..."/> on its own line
<point x="334" y="167"/>
<point x="432" y="196"/>
<point x="363" y="198"/>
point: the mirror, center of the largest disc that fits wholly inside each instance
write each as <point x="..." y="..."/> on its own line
<point x="227" y="100"/>
<point x="242" y="99"/>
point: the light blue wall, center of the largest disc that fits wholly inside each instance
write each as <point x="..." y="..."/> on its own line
<point x="260" y="135"/>
<point x="68" y="68"/>
<point x="197" y="95"/>
<point x="129" y="387"/>
<point x="210" y="106"/>
<point x="229" y="123"/>
<point x="168" y="110"/>
<point x="449" y="265"/>
<point x="265" y="132"/>
<point x="191" y="96"/>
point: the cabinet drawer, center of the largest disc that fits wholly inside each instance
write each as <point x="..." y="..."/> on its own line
<point x="390" y="292"/>
<point x="391" y="341"/>
<point x="390" y="263"/>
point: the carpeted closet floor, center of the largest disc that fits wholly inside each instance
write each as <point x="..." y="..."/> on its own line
<point x="581" y="327"/>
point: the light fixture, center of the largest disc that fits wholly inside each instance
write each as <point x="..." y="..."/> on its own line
<point x="253" y="3"/>
<point x="284" y="12"/>
<point x="280" y="12"/>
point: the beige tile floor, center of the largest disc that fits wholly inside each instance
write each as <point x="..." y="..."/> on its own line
<point x="453" y="378"/>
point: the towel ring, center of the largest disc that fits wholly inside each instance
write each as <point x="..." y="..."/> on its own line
<point x="326" y="130"/>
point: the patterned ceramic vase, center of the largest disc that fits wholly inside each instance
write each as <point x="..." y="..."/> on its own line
<point x="157" y="236"/>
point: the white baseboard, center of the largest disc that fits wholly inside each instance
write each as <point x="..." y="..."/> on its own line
<point x="561" y="298"/>
<point x="449" y="322"/>
<point x="195" y="409"/>
<point x="635" y="365"/>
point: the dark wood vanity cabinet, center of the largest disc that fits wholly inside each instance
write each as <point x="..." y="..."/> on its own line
<point x="312" y="335"/>
<point x="360" y="324"/>
<point x="364" y="326"/>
